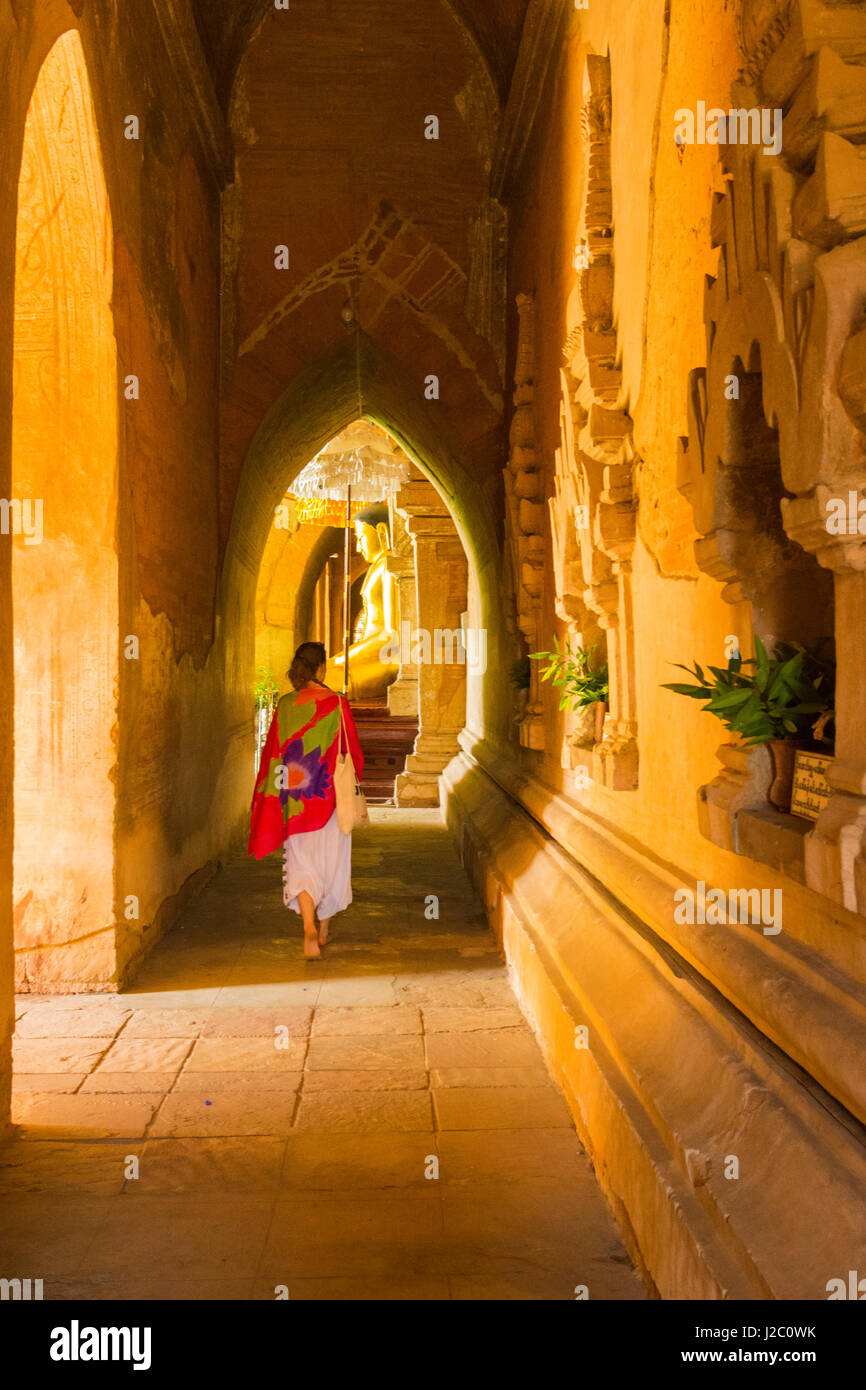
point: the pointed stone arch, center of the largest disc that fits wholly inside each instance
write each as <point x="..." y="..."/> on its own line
<point x="65" y="583"/>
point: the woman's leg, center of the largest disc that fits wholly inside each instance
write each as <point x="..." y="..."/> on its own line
<point x="324" y="924"/>
<point x="311" y="936"/>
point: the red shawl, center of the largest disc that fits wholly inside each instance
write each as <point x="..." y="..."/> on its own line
<point x="294" y="790"/>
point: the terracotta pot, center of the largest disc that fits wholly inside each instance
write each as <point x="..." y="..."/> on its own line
<point x="782" y="752"/>
<point x="600" y="712"/>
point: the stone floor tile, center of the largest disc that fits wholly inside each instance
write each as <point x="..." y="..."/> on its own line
<point x="297" y="993"/>
<point x="251" y="1022"/>
<point x="247" y="1054"/>
<point x="349" y="1022"/>
<point x="199" y="1000"/>
<point x="458" y="1020"/>
<point x="86" y="1021"/>
<point x="49" y="1234"/>
<point x="31" y="1055"/>
<point x="364" y="1052"/>
<point x="489" y="1076"/>
<point x="489" y="1048"/>
<point x="77" y="1168"/>
<point x="346" y="1233"/>
<point x="84" y="1117"/>
<point x="166" y="1023"/>
<point x="393" y="1079"/>
<point x="56" y="1002"/>
<point x="48" y="1081"/>
<point x="362" y="1112"/>
<point x="557" y="1223"/>
<point x="518" y="1155"/>
<point x="315" y="1162"/>
<point x="205" y="1082"/>
<point x="249" y="1164"/>
<point x="127" y="1082"/>
<point x="370" y="991"/>
<point x="504" y="1107"/>
<point x="146" y="1054"/>
<point x="177" y="1236"/>
<point x="224" y="1113"/>
<point x="460" y="992"/>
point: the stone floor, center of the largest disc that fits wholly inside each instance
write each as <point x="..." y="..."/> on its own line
<point x="286" y="1118"/>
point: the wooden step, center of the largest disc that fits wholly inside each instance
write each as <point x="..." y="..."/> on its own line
<point x="386" y="742"/>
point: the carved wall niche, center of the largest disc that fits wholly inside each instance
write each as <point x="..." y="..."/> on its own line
<point x="593" y="508"/>
<point x="788" y="307"/>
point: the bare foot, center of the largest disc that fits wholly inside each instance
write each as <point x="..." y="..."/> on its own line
<point x="323" y="931"/>
<point x="311" y="945"/>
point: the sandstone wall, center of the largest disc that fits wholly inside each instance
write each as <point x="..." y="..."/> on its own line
<point x="705" y="1042"/>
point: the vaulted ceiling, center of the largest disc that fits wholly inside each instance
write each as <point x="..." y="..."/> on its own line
<point x="328" y="104"/>
<point x="228" y="26"/>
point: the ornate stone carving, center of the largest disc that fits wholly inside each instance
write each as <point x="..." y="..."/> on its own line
<point x="787" y="309"/>
<point x="593" y="507"/>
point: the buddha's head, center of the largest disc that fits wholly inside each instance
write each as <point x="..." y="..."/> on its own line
<point x="372" y="540"/>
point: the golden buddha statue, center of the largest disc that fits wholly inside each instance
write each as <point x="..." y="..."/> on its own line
<point x="369" y="675"/>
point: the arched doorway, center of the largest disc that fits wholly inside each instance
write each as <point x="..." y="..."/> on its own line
<point x="62" y="513"/>
<point x="355" y="380"/>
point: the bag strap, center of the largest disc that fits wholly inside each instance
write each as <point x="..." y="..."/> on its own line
<point x="343" y="731"/>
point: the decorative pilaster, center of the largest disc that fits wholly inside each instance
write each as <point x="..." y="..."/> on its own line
<point x="441" y="582"/>
<point x="525" y="516"/>
<point x="593" y="508"/>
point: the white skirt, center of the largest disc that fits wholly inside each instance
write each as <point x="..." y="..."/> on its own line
<point x="319" y="862"/>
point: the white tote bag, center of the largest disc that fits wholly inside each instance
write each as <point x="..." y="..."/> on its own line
<point x="351" y="801"/>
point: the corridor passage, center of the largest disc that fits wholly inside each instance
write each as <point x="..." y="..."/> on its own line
<point x="286" y="1117"/>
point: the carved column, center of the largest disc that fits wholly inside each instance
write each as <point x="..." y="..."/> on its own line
<point x="441" y="582"/>
<point x="525" y="516"/>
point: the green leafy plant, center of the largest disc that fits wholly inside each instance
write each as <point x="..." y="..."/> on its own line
<point x="570" y="671"/>
<point x="266" y="688"/>
<point x="518" y="673"/>
<point x="781" y="698"/>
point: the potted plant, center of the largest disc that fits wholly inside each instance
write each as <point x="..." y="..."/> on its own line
<point x="581" y="686"/>
<point x="785" y="703"/>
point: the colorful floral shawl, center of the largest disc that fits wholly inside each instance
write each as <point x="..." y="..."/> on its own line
<point x="294" y="790"/>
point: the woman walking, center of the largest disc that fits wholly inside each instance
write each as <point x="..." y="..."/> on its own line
<point x="294" y="802"/>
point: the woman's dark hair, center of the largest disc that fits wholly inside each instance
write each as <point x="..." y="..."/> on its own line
<point x="306" y="662"/>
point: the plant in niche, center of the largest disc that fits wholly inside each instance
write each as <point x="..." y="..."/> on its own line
<point x="788" y="695"/>
<point x="570" y="671"/>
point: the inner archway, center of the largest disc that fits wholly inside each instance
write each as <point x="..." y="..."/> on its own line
<point x="63" y="518"/>
<point x="408" y="614"/>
